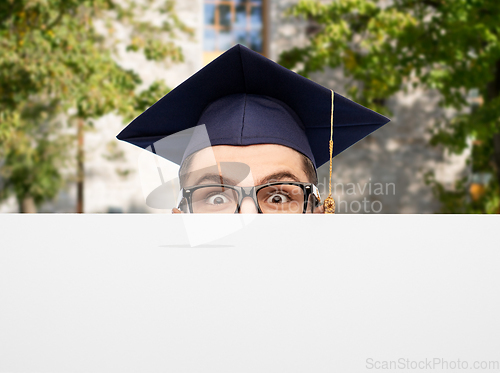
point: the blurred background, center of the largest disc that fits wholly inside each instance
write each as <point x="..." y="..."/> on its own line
<point x="74" y="73"/>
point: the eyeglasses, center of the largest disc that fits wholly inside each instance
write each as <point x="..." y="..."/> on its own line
<point x="271" y="198"/>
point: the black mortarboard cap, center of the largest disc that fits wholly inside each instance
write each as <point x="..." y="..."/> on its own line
<point x="243" y="98"/>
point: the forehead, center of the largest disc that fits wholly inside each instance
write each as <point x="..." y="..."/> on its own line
<point x="263" y="159"/>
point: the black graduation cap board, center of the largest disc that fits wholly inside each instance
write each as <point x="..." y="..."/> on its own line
<point x="244" y="98"/>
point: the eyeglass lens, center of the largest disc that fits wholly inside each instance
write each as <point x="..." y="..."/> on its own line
<point x="214" y="200"/>
<point x="281" y="199"/>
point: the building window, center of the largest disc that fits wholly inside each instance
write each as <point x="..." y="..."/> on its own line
<point x="230" y="22"/>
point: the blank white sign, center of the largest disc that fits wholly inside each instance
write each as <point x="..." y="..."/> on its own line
<point x="342" y="293"/>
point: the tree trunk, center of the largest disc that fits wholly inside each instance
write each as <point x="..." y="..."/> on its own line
<point x="27" y="205"/>
<point x="80" y="171"/>
<point x="496" y="146"/>
<point x="493" y="92"/>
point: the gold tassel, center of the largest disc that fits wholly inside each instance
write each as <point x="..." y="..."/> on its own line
<point x="329" y="203"/>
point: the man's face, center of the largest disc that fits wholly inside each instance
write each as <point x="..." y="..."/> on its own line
<point x="267" y="162"/>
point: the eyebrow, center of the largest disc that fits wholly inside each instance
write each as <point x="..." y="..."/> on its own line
<point x="278" y="176"/>
<point x="215" y="178"/>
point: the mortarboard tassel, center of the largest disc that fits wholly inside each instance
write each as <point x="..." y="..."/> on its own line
<point x="329" y="203"/>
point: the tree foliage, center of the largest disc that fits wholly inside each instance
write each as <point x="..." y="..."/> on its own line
<point x="452" y="46"/>
<point x="58" y="61"/>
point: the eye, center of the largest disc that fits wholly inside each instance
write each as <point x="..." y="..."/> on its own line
<point x="278" y="198"/>
<point x="217" y="199"/>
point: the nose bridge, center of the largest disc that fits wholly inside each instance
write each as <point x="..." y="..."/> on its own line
<point x="248" y="203"/>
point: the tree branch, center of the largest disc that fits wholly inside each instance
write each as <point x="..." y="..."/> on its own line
<point x="57" y="19"/>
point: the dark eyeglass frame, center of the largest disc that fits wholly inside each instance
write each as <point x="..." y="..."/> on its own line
<point x="243" y="192"/>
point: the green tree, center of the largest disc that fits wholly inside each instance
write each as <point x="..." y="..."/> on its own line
<point x="451" y="46"/>
<point x="32" y="162"/>
<point x="58" y="59"/>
